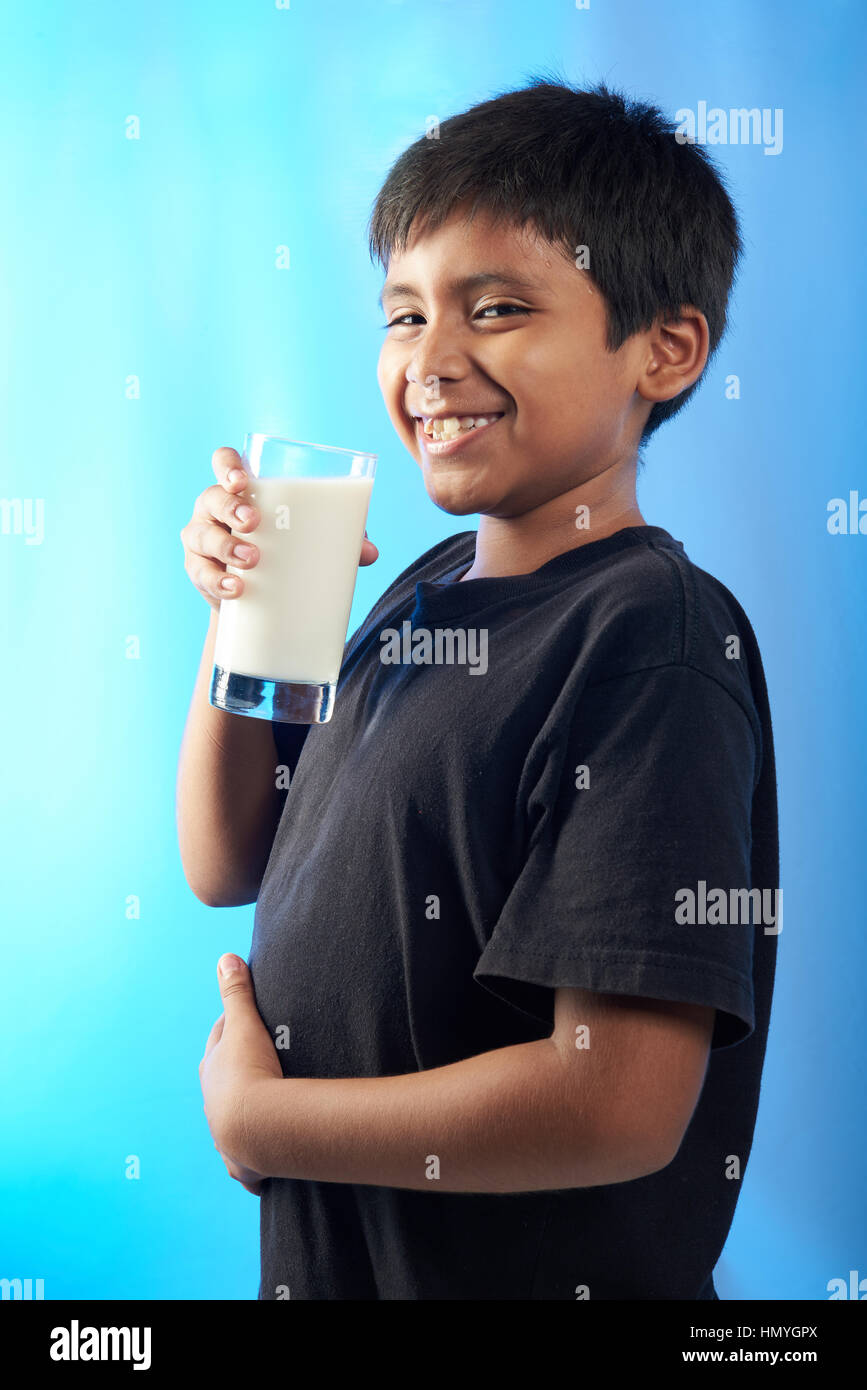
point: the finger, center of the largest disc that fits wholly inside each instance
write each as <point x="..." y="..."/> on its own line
<point x="210" y="545"/>
<point x="227" y="508"/>
<point x="369" y="551"/>
<point x="229" y="469"/>
<point x="210" y="540"/>
<point x="236" y="989"/>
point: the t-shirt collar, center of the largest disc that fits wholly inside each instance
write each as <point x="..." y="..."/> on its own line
<point x="449" y="594"/>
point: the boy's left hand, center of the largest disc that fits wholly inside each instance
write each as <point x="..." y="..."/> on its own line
<point x="239" y="1054"/>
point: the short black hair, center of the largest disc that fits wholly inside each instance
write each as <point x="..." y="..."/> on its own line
<point x="588" y="167"/>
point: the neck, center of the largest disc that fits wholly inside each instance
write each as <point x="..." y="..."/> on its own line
<point x="589" y="512"/>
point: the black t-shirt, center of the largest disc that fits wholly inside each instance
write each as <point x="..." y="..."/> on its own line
<point x="443" y="863"/>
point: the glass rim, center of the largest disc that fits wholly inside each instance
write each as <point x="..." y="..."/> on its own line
<point x="324" y="448"/>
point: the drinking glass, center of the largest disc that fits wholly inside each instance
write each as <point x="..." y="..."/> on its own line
<point x="279" y="645"/>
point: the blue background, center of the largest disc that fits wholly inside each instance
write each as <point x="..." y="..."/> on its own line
<point x="262" y="127"/>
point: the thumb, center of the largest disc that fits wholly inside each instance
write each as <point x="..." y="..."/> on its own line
<point x="236" y="986"/>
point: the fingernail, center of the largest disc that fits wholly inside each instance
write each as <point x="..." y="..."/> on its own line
<point x="229" y="965"/>
<point x="244" y="513"/>
<point x="228" y="584"/>
<point x="236" y="475"/>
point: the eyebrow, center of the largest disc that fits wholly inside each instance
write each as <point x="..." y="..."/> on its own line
<point x="468" y="282"/>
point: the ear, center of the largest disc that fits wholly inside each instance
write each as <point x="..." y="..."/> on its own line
<point x="676" y="352"/>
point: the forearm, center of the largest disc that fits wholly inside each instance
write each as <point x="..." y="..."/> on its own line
<point x="228" y="803"/>
<point x="511" y="1120"/>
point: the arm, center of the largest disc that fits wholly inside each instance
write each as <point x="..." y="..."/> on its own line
<point x="535" y="1116"/>
<point x="228" y="805"/>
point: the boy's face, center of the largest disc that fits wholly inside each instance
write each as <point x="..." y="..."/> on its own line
<point x="569" y="407"/>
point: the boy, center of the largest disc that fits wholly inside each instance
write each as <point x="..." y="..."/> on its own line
<point x="500" y="913"/>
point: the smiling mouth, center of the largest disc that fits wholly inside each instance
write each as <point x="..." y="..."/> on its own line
<point x="447" y="436"/>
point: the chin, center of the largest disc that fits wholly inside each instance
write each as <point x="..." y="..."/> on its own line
<point x="455" y="506"/>
<point x="452" y="495"/>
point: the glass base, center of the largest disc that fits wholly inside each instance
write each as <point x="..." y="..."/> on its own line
<point x="286" y="702"/>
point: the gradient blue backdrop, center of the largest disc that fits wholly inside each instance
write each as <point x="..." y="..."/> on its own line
<point x="260" y="127"/>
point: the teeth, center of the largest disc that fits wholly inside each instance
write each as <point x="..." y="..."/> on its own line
<point x="452" y="425"/>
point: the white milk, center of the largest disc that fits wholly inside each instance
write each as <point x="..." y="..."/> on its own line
<point x="290" y="622"/>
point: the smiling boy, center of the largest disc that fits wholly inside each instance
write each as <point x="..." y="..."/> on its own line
<point x="512" y="1072"/>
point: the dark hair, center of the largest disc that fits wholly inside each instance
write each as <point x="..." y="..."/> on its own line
<point x="585" y="167"/>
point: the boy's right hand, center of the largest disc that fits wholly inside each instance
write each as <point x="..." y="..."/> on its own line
<point x="209" y="545"/>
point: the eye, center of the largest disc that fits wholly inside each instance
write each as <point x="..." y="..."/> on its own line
<point x="515" y="308"/>
<point x="400" y="322"/>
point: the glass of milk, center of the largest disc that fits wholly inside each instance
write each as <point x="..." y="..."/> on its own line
<point x="279" y="646"/>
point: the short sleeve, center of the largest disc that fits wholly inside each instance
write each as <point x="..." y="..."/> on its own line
<point x="647" y="799"/>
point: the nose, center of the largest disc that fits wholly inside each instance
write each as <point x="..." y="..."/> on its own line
<point x="429" y="384"/>
<point x="435" y="360"/>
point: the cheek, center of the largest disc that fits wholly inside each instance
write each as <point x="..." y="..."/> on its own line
<point x="392" y="384"/>
<point x="551" y="402"/>
<point x="550" y="381"/>
<point x="386" y="367"/>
